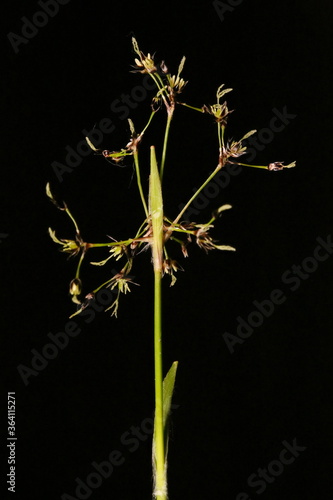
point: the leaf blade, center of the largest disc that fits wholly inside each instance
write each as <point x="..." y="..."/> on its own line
<point x="156" y="211"/>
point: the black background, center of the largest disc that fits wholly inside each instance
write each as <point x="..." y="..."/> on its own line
<point x="233" y="410"/>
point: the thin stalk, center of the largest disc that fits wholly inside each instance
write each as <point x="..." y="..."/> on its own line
<point x="171" y="228"/>
<point x="161" y="87"/>
<point x="191" y="107"/>
<point x="248" y="165"/>
<point x="165" y="143"/>
<point x="220" y="133"/>
<point x="112" y="244"/>
<point x="118" y="243"/>
<point x="148" y="123"/>
<point x="77" y="274"/>
<point x="138" y="178"/>
<point x="72" y="218"/>
<point x="160" y="479"/>
<point x="158" y="81"/>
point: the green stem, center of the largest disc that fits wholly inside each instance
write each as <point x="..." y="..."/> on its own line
<point x="156" y="215"/>
<point x="248" y="165"/>
<point x="158" y="81"/>
<point x="112" y="244"/>
<point x="148" y="123"/>
<point x="171" y="228"/>
<point x="165" y="143"/>
<point x="138" y="178"/>
<point x="160" y="479"/>
<point x="220" y="133"/>
<point x="73" y="220"/>
<point x="161" y="88"/>
<point x="77" y="274"/>
<point x="191" y="107"/>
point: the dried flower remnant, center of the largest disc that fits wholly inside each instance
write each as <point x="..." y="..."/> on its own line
<point x="235" y="149"/>
<point x="272" y="167"/>
<point x="278" y="165"/>
<point x="170" y="267"/>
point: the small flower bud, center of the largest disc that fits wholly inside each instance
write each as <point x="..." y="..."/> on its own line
<point x="163" y="67"/>
<point x="75" y="288"/>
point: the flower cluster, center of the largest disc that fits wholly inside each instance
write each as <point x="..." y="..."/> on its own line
<point x="145" y="64"/>
<point x="168" y="87"/>
<point x="129" y="248"/>
<point x="235" y="149"/>
<point x="73" y="247"/>
<point x="220" y="111"/>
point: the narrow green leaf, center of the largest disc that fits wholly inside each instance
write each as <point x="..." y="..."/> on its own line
<point x="168" y="387"/>
<point x="156" y="211"/>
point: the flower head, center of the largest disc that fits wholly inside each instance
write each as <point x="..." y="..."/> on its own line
<point x="118" y="251"/>
<point x="219" y="110"/>
<point x="206" y="242"/>
<point x="171" y="266"/>
<point x="144" y="64"/>
<point x="236" y="148"/>
<point x="176" y="84"/>
<point x="121" y="282"/>
<point x="278" y="165"/>
<point x="72" y="247"/>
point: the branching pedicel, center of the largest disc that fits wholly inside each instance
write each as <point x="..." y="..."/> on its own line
<point x="157" y="229"/>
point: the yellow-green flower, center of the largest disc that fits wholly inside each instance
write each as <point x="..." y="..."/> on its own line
<point x="144" y="64"/>
<point x="120" y="281"/>
<point x="176" y="84"/>
<point x="218" y="110"/>
<point x="69" y="246"/>
<point x="75" y="289"/>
